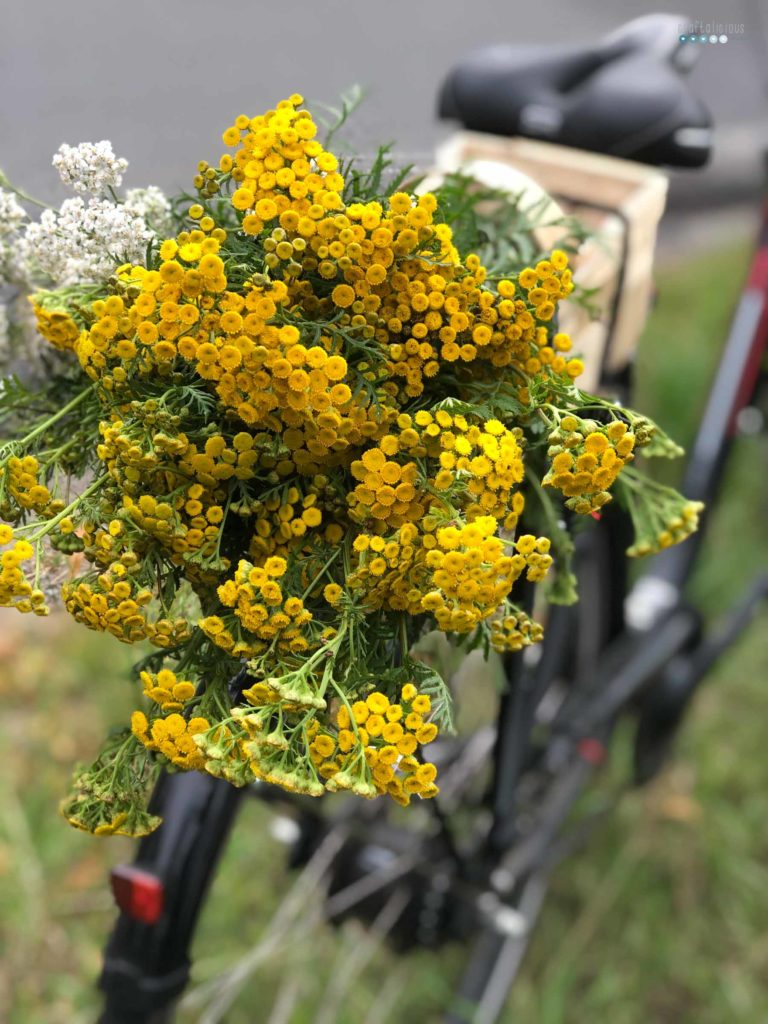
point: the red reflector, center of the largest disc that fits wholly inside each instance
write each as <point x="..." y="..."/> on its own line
<point x="138" y="893"/>
<point x="591" y="750"/>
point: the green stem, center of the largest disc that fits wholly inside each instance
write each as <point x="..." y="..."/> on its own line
<point x="21" y="194"/>
<point x="50" y="455"/>
<point x="404" y="645"/>
<point x="319" y="576"/>
<point x="344" y="700"/>
<point x="327" y="649"/>
<point x="544" y="500"/>
<point x="73" y="404"/>
<point x="327" y="678"/>
<point x="129" y="740"/>
<point x="189" y="649"/>
<point x="543" y="416"/>
<point x="50" y="523"/>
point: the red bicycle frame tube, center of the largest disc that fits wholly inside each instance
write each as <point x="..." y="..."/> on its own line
<point x="732" y="389"/>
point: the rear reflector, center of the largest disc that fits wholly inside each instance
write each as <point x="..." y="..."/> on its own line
<point x="138" y="893"/>
<point x="592" y="751"/>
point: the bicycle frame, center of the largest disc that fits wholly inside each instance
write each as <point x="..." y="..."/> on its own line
<point x="631" y="662"/>
<point x="637" y="657"/>
<point x="732" y="387"/>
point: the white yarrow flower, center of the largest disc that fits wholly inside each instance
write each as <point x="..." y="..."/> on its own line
<point x="152" y="205"/>
<point x="4" y="331"/>
<point x="84" y="242"/>
<point x="7" y="263"/>
<point x="12" y="214"/>
<point x="91" y="167"/>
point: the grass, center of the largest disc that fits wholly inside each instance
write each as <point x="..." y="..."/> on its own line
<point x="661" y="918"/>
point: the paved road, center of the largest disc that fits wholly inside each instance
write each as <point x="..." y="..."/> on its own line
<point x="161" y="78"/>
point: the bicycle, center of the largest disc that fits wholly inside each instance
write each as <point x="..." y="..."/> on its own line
<point x="642" y="651"/>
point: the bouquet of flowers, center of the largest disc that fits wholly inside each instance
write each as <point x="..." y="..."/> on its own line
<point x="288" y="424"/>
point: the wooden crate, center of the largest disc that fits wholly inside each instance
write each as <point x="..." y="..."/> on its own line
<point x="621" y="202"/>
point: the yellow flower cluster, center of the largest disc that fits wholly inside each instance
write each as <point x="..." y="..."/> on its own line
<point x="240" y="753"/>
<point x="515" y="630"/>
<point x="660" y="524"/>
<point x="119" y="815"/>
<point x="313" y="415"/>
<point x="387" y="491"/>
<point x="421" y="311"/>
<point x="216" y="461"/>
<point x="229" y="754"/>
<point x="23" y="487"/>
<point x="15" y="589"/>
<point x="190" y="524"/>
<point x="277" y="161"/>
<point x="546" y="283"/>
<point x="130" y="458"/>
<point x="263" y="612"/>
<point x="56" y="326"/>
<point x="442" y="314"/>
<point x="189" y="521"/>
<point x="265" y="740"/>
<point x="586" y="459"/>
<point x="260" y="370"/>
<point x="166" y="690"/>
<point x="376" y="745"/>
<point x="459" y="574"/>
<point x="283" y="519"/>
<point x="173" y="736"/>
<point x="114" y="603"/>
<point x="103" y="546"/>
<point x="485" y="459"/>
<point x="141" y="334"/>
<point x="475" y="467"/>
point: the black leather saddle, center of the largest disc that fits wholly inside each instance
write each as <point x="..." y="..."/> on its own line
<point x="625" y="96"/>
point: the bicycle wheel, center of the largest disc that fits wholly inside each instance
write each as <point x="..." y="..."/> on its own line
<point x="360" y="858"/>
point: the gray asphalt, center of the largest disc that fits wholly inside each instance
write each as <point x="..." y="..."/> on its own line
<point x="161" y="79"/>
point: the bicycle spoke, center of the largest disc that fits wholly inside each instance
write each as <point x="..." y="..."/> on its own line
<point x="388" y="996"/>
<point x="285" y="1003"/>
<point x="356" y="959"/>
<point x="511" y="955"/>
<point x="289" y="923"/>
<point x="356" y="892"/>
<point x="496" y="959"/>
<point x="222" y="991"/>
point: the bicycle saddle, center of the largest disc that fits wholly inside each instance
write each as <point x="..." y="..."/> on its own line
<point x="624" y="96"/>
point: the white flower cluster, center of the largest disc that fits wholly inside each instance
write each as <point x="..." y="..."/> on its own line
<point x="8" y="265"/>
<point x="152" y="206"/>
<point x="5" y="332"/>
<point x="12" y="214"/>
<point x="79" y="244"/>
<point x="90" y="167"/>
<point x="84" y="242"/>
